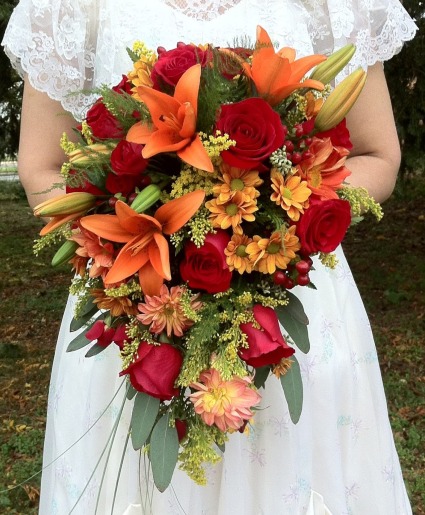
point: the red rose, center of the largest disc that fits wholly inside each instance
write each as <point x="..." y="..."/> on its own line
<point x="266" y="345"/>
<point x="124" y="184"/>
<point x="126" y="158"/>
<point x="124" y="86"/>
<point x="205" y="268"/>
<point x="323" y="225"/>
<point x="155" y="370"/>
<point x="339" y="135"/>
<point x="102" y="123"/>
<point x="172" y="64"/>
<point x="105" y="335"/>
<point x="256" y="129"/>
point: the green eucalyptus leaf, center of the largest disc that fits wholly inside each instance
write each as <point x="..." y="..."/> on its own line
<point x="261" y="375"/>
<point x="296" y="308"/>
<point x="78" y="342"/>
<point x="86" y="315"/>
<point x="131" y="392"/>
<point x="95" y="350"/>
<point x="145" y="411"/>
<point x="296" y="329"/>
<point x="164" y="449"/>
<point x="293" y="389"/>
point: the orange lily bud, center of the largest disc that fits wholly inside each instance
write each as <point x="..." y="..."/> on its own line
<point x="66" y="204"/>
<point x="83" y="155"/>
<point x="340" y="101"/>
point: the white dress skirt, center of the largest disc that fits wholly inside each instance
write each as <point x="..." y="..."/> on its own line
<point x="340" y="458"/>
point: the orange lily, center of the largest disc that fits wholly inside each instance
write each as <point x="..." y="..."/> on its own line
<point x="146" y="250"/>
<point x="174" y="120"/>
<point x="277" y="74"/>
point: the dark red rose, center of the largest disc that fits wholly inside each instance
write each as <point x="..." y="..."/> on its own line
<point x="205" y="268"/>
<point x="124" y="184"/>
<point x="266" y="345"/>
<point x="102" y="123"/>
<point x="172" y="64"/>
<point x="340" y="135"/>
<point x="155" y="370"/>
<point x="124" y="86"/>
<point x="126" y="158"/>
<point x="256" y="128"/>
<point x="105" y="335"/>
<point x="323" y="225"/>
<point x="181" y="427"/>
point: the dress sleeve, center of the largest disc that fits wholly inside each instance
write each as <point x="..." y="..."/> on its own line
<point x="53" y="43"/>
<point x="378" y="28"/>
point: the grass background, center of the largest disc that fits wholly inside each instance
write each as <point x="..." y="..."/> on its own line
<point x="387" y="260"/>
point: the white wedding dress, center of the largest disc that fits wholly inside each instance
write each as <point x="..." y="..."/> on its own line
<point x="340" y="457"/>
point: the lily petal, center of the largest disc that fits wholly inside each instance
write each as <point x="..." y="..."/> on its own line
<point x="159" y="256"/>
<point x="158" y="103"/>
<point x="133" y="222"/>
<point x="163" y="141"/>
<point x="149" y="280"/>
<point x="106" y="226"/>
<point x="195" y="155"/>
<point x="175" y="213"/>
<point x="187" y="88"/>
<point x="139" y="133"/>
<point x="127" y="263"/>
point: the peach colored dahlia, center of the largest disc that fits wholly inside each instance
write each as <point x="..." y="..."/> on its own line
<point x="227" y="404"/>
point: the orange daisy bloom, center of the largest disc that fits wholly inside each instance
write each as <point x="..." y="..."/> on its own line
<point x="235" y="179"/>
<point x="291" y="194"/>
<point x="267" y="254"/>
<point x="236" y="255"/>
<point x="227" y="404"/>
<point x="116" y="305"/>
<point x="325" y="171"/>
<point x="165" y="311"/>
<point x="231" y="213"/>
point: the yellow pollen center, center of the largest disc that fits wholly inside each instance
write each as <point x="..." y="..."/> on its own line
<point x="286" y="193"/>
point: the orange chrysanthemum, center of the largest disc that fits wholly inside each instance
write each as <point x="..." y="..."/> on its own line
<point x="165" y="311"/>
<point x="231" y="213"/>
<point x="291" y="194"/>
<point x="234" y="180"/>
<point x="236" y="255"/>
<point x="227" y="404"/>
<point x="325" y="171"/>
<point x="116" y="305"/>
<point x="267" y="254"/>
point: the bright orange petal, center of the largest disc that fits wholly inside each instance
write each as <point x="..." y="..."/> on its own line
<point x="57" y="221"/>
<point x="301" y="66"/>
<point x="126" y="263"/>
<point x="175" y="213"/>
<point x="187" y="87"/>
<point x="158" y="103"/>
<point x="106" y="226"/>
<point x="195" y="155"/>
<point x="139" y="133"/>
<point x="149" y="280"/>
<point x="188" y="116"/>
<point x="287" y="53"/>
<point x="159" y="256"/>
<point x="164" y="140"/>
<point x="264" y="43"/>
<point x="133" y="222"/>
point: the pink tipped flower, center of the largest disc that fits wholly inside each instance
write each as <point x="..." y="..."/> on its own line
<point x="91" y="246"/>
<point x="166" y="312"/>
<point x="227" y="404"/>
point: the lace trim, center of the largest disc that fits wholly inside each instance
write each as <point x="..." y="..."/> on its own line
<point x="70" y="46"/>
<point x="202" y="9"/>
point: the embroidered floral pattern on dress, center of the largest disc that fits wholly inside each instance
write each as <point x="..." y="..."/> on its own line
<point x="202" y="9"/>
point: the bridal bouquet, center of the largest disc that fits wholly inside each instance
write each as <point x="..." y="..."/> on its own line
<point x="198" y="191"/>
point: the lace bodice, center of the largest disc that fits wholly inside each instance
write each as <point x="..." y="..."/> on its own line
<point x="67" y="46"/>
